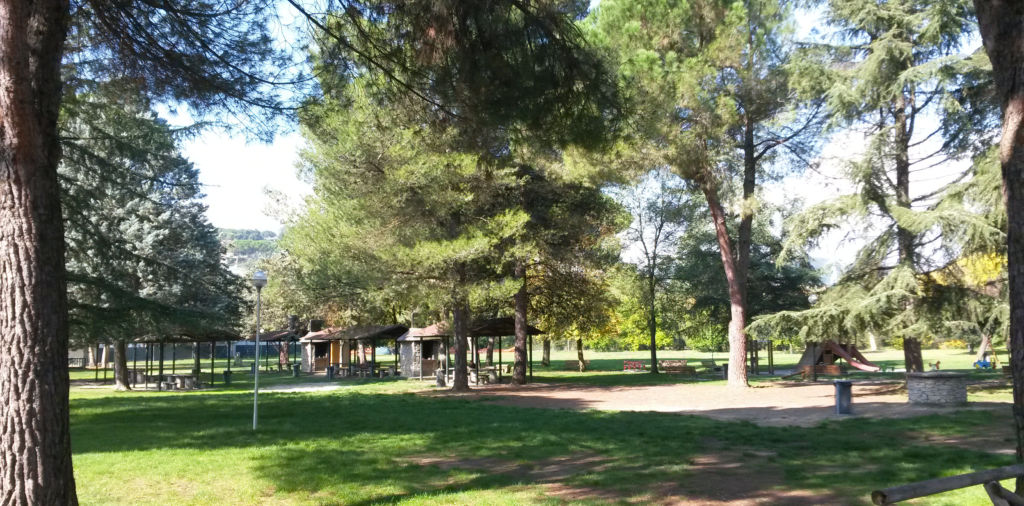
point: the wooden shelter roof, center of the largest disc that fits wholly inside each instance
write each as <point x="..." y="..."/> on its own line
<point x="496" y="327"/>
<point x="190" y="337"/>
<point x="275" y="335"/>
<point x="491" y="327"/>
<point x="364" y="332"/>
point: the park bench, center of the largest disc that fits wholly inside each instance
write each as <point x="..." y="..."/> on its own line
<point x="676" y="367"/>
<point x="574" y="365"/>
<point x="633" y="366"/>
<point x="710" y="366"/>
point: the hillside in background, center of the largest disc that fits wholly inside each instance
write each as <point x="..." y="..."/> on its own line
<point x="245" y="246"/>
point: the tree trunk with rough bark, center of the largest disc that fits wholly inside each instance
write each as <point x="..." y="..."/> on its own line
<point x="912" y="358"/>
<point x="35" y="442"/>
<point x="521" y="302"/>
<point x="1000" y="22"/>
<point x="122" y="382"/>
<point x="90" y="354"/>
<point x="104" y="360"/>
<point x="737" y="303"/>
<point x="545" y="356"/>
<point x="579" y="355"/>
<point x="490" y="350"/>
<point x="460" y="327"/>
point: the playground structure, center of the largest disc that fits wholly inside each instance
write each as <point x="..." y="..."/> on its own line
<point x="821" y="358"/>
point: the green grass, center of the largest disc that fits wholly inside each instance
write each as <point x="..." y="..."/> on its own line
<point x="356" y="445"/>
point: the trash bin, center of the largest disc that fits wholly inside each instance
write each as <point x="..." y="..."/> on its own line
<point x="844" y="396"/>
<point x="227" y="377"/>
<point x="295" y="370"/>
<point x="330" y="372"/>
<point x="439" y="374"/>
<point x="725" y="371"/>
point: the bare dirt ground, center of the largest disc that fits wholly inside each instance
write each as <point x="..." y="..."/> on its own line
<point x="782" y="404"/>
<point x="719" y="477"/>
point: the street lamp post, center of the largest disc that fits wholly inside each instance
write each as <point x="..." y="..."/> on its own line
<point x="259" y="280"/>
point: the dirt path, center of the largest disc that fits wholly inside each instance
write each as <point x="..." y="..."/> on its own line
<point x="783" y="404"/>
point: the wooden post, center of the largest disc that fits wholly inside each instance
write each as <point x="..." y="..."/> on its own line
<point x="476" y="357"/>
<point x="135" y="363"/>
<point x="937" y="486"/>
<point x="421" y="359"/>
<point x="160" y="375"/>
<point x="530" y="342"/>
<point x="499" y="359"/>
<point x="213" y="353"/>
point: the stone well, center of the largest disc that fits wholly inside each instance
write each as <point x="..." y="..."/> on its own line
<point x="937" y="387"/>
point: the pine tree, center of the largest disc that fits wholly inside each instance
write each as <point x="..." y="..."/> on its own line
<point x="904" y="65"/>
<point x="141" y="260"/>
<point x="715" y="97"/>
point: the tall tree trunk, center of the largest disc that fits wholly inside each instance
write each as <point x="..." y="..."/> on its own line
<point x="104" y="360"/>
<point x="579" y="355"/>
<point x="490" y="350"/>
<point x="1000" y="22"/>
<point x="460" y="326"/>
<point x="521" y="302"/>
<point x="545" y="357"/>
<point x="282" y="352"/>
<point x="90" y="361"/>
<point x="35" y="442"/>
<point x="905" y="238"/>
<point x="737" y="302"/>
<point x="652" y="318"/>
<point x="121" y="380"/>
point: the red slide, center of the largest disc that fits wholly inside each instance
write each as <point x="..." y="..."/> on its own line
<point x="840" y="352"/>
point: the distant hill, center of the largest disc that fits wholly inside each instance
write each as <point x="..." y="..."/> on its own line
<point x="245" y="246"/>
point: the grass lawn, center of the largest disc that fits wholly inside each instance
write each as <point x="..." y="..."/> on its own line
<point x="376" y="441"/>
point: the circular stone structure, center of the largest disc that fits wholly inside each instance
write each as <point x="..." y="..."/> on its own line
<point x="937" y="387"/>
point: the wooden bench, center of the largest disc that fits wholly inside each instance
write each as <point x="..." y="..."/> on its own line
<point x="574" y="365"/>
<point x="710" y="366"/>
<point x="676" y="367"/>
<point x="633" y="366"/>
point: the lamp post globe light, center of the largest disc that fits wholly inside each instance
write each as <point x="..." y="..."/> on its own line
<point x="259" y="280"/>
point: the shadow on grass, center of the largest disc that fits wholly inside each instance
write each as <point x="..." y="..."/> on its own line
<point x="354" y="448"/>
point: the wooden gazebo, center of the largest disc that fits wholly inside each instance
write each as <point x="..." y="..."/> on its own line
<point x="334" y="346"/>
<point x="155" y="357"/>
<point x="417" y="344"/>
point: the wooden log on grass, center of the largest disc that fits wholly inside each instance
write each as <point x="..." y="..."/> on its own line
<point x="937" y="486"/>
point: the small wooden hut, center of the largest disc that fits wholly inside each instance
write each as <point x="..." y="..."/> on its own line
<point x="334" y="346"/>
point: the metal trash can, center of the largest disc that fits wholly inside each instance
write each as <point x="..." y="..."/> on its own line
<point x="227" y="377"/>
<point x="844" y="396"/>
<point x="439" y="374"/>
<point x="725" y="371"/>
<point x="295" y="370"/>
<point x="330" y="372"/>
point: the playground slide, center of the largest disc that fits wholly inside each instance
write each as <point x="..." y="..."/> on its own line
<point x="840" y="352"/>
<point x="860" y="356"/>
